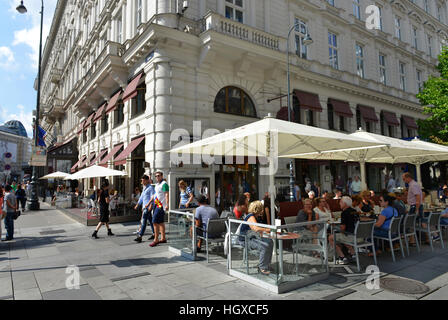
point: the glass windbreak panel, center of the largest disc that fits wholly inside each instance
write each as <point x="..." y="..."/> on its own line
<point x="180" y="231"/>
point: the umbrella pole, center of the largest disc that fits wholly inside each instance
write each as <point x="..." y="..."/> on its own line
<point x="362" y="166"/>
<point x="419" y="174"/>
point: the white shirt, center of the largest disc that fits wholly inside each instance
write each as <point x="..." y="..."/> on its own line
<point x="391" y="185"/>
<point x="326" y="214"/>
<point x="160" y="193"/>
<point x="356" y="186"/>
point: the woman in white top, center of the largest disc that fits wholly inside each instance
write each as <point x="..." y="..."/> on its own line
<point x="322" y="210"/>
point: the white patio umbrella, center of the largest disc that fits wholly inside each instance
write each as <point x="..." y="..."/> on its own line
<point x="95" y="172"/>
<point x="393" y="151"/>
<point x="55" y="175"/>
<point x="271" y="138"/>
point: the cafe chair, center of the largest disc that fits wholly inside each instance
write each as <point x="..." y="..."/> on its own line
<point x="394" y="234"/>
<point x="409" y="229"/>
<point x="363" y="230"/>
<point x="432" y="222"/>
<point x="443" y="226"/>
<point x="216" y="232"/>
<point x="248" y="249"/>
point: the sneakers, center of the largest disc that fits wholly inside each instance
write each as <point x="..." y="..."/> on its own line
<point x="138" y="239"/>
<point x="151" y="237"/>
<point x="135" y="232"/>
<point x="341" y="261"/>
<point x="435" y="238"/>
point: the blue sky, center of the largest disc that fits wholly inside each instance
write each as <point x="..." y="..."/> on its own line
<point x="19" y="46"/>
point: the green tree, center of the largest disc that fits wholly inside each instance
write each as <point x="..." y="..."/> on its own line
<point x="434" y="98"/>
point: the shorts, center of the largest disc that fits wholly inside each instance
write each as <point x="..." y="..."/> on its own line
<point x="158" y="215"/>
<point x="104" y="216"/>
<point x="342" y="237"/>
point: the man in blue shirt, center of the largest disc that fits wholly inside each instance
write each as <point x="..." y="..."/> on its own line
<point x="146" y="201"/>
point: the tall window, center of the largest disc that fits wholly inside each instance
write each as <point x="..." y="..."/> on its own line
<point x="357" y="9"/>
<point x="93" y="131"/>
<point x="419" y="80"/>
<point x="381" y="17"/>
<point x="105" y="124"/>
<point x="425" y="2"/>
<point x="439" y="13"/>
<point x="330" y="116"/>
<point x="84" y="136"/>
<point x="402" y="72"/>
<point x="333" y="50"/>
<point x="301" y="31"/>
<point x="138" y="102"/>
<point x="331" y="2"/>
<point x="139" y="12"/>
<point x="119" y="29"/>
<point x="359" y="60"/>
<point x="429" y="45"/>
<point x="233" y="100"/>
<point x="415" y="37"/>
<point x="398" y="27"/>
<point x="382" y="64"/>
<point x="235" y="10"/>
<point x="119" y="114"/>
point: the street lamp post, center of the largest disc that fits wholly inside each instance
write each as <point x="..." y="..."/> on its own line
<point x="34" y="202"/>
<point x="307" y="41"/>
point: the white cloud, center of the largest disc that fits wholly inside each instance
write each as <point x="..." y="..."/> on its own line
<point x="18" y="113"/>
<point x="6" y="57"/>
<point x="30" y="36"/>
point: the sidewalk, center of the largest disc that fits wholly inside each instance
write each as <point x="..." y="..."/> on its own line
<point x="47" y="241"/>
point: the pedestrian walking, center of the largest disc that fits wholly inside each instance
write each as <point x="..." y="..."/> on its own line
<point x="2" y="213"/>
<point x="10" y="206"/>
<point x="103" y="201"/>
<point x="161" y="204"/>
<point x="21" y="197"/>
<point x="146" y="200"/>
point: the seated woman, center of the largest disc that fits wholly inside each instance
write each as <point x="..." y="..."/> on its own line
<point x="382" y="225"/>
<point x="322" y="209"/>
<point x="367" y="203"/>
<point x="263" y="245"/>
<point x="357" y="203"/>
<point x="305" y="215"/>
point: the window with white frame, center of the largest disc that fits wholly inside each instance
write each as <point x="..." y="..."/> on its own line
<point x="429" y="45"/>
<point x="119" y="25"/>
<point x="357" y="9"/>
<point x="402" y="72"/>
<point x="415" y="37"/>
<point x="235" y="10"/>
<point x="139" y="12"/>
<point x="398" y="27"/>
<point x="383" y="70"/>
<point x="333" y="50"/>
<point x="359" y="50"/>
<point x="301" y="30"/>
<point x="419" y="80"/>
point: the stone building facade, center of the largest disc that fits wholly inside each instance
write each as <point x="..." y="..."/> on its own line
<point x="123" y="74"/>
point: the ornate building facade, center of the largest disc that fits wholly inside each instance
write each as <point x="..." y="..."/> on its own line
<point x="121" y="75"/>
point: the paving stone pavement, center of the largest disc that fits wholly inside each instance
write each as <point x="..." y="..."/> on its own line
<point x="33" y="267"/>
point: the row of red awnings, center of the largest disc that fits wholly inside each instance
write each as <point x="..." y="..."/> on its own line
<point x="310" y="101"/>
<point x="107" y="107"/>
<point x="119" y="160"/>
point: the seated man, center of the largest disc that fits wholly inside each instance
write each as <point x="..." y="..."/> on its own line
<point x="349" y="217"/>
<point x="203" y="214"/>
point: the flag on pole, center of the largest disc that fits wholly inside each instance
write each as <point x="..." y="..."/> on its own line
<point x="41" y="134"/>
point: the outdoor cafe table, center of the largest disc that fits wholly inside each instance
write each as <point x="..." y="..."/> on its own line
<point x="280" y="237"/>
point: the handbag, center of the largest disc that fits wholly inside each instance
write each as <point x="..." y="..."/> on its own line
<point x="17" y="214"/>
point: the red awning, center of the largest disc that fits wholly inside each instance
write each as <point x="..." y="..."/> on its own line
<point x="308" y="100"/>
<point x="73" y="169"/>
<point x="98" y="157"/>
<point x="410" y="122"/>
<point x="341" y="108"/>
<point x="81" y="127"/>
<point x="368" y="113"/>
<point x="99" y="113"/>
<point x="121" y="159"/>
<point x="89" y="120"/>
<point x="131" y="89"/>
<point x="282" y="114"/>
<point x="110" y="154"/>
<point x="113" y="102"/>
<point x="90" y="158"/>
<point x="391" y="118"/>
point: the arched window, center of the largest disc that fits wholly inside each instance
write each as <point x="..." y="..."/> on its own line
<point x="234" y="101"/>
